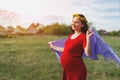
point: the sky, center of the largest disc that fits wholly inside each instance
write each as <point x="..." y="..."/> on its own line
<point x="104" y="14"/>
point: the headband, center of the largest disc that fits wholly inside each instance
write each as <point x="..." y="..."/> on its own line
<point x="79" y="17"/>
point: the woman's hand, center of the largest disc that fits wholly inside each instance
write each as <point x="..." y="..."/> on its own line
<point x="89" y="33"/>
<point x="60" y="49"/>
<point x="50" y="43"/>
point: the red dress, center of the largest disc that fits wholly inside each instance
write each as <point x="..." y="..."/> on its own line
<point x="71" y="59"/>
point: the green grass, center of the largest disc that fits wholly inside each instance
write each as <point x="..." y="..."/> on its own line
<point x="30" y="58"/>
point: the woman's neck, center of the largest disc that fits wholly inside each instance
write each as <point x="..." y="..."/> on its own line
<point x="76" y="34"/>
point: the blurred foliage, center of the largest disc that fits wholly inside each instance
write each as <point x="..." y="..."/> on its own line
<point x="52" y="29"/>
<point x="115" y="33"/>
<point x="57" y="29"/>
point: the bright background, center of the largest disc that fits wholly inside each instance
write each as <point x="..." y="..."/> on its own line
<point x="104" y="14"/>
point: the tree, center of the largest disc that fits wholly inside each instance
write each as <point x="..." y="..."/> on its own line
<point x="114" y="33"/>
<point x="57" y="29"/>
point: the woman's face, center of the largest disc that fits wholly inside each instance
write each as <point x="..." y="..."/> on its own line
<point x="76" y="24"/>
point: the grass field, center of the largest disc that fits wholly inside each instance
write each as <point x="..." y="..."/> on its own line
<point x="29" y="58"/>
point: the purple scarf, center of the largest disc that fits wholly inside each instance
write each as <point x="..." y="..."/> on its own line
<point x="99" y="47"/>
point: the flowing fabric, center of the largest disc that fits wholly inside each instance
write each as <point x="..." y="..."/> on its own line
<point x="99" y="47"/>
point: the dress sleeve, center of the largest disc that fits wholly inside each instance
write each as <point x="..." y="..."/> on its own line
<point x="84" y="41"/>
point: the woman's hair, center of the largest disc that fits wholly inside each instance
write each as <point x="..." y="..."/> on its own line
<point x="83" y="20"/>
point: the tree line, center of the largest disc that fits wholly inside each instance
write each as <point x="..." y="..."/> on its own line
<point x="62" y="29"/>
<point x="52" y="29"/>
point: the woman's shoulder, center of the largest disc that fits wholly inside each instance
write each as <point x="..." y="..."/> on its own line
<point x="70" y="35"/>
<point x="82" y="36"/>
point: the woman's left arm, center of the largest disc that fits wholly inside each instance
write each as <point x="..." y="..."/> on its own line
<point x="88" y="48"/>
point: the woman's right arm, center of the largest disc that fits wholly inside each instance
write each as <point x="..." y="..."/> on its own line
<point x="60" y="49"/>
